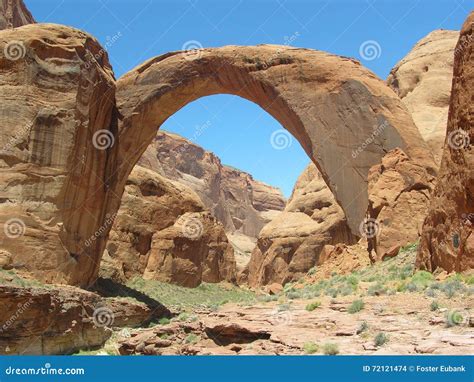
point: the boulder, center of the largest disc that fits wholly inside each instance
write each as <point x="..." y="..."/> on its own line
<point x="194" y="249"/>
<point x="63" y="320"/>
<point x="447" y="239"/>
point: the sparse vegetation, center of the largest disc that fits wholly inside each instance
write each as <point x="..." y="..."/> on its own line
<point x="434" y="306"/>
<point x="363" y="327"/>
<point x="310" y="348"/>
<point x="356" y="306"/>
<point x="205" y="295"/>
<point x="330" y="349"/>
<point x="191" y="339"/>
<point x="312" y="306"/>
<point x="380" y="339"/>
<point x="164" y="321"/>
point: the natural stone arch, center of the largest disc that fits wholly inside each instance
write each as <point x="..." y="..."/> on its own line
<point x="332" y="105"/>
<point x="65" y="192"/>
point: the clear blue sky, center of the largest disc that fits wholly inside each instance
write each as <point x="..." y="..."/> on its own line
<point x="235" y="129"/>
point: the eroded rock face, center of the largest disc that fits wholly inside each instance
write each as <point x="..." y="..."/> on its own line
<point x="290" y="244"/>
<point x="399" y="195"/>
<point x="447" y="239"/>
<point x="423" y="82"/>
<point x="194" y="249"/>
<point x="56" y="91"/>
<point x="147" y="237"/>
<point x="13" y="13"/>
<point x="62" y="320"/>
<point x="242" y="204"/>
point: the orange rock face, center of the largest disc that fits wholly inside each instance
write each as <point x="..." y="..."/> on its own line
<point x="290" y="245"/>
<point x="447" y="239"/>
<point x="399" y="194"/>
<point x="162" y="232"/>
<point x="13" y="13"/>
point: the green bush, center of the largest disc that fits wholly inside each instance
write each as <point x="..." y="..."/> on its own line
<point x="312" y="306"/>
<point x="380" y="339"/>
<point x="310" y="348"/>
<point x="191" y="339"/>
<point x="434" y="306"/>
<point x="164" y="321"/>
<point x="330" y="349"/>
<point x="356" y="306"/>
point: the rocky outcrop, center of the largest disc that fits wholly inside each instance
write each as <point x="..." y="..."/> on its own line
<point x="243" y="205"/>
<point x="63" y="320"/>
<point x="57" y="95"/>
<point x="194" y="249"/>
<point x="162" y="232"/>
<point x="13" y="13"/>
<point x="290" y="244"/>
<point x="423" y="79"/>
<point x="399" y="195"/>
<point x="447" y="239"/>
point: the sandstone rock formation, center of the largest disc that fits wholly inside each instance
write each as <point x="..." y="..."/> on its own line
<point x="307" y="91"/>
<point x="447" y="240"/>
<point x="60" y="189"/>
<point x="290" y="244"/>
<point x="162" y="232"/>
<point x="423" y="79"/>
<point x="399" y="195"/>
<point x="242" y="204"/>
<point x="56" y="91"/>
<point x="63" y="320"/>
<point x="13" y="13"/>
<point x="194" y="249"/>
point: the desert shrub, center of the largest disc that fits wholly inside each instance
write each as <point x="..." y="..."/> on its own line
<point x="164" y="321"/>
<point x="310" y="348"/>
<point x="411" y="287"/>
<point x="377" y="290"/>
<point x="380" y="339"/>
<point x="356" y="306"/>
<point x="363" y="327"/>
<point x="454" y="318"/>
<point x="312" y="271"/>
<point x="283" y="307"/>
<point x="191" y="338"/>
<point x="330" y="349"/>
<point x="434" y="306"/>
<point x="312" y="306"/>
